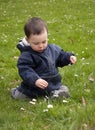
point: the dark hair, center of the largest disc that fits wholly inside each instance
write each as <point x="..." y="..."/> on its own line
<point x="34" y="26"/>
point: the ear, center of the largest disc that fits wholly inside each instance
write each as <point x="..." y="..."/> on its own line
<point x="27" y="39"/>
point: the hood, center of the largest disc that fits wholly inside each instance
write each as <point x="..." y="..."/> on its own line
<point x="23" y="45"/>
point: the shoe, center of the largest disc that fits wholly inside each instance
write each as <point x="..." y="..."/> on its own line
<point x="13" y="92"/>
<point x="62" y="92"/>
<point x="17" y="94"/>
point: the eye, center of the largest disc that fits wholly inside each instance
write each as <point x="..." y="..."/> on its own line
<point x="36" y="43"/>
<point x="44" y="42"/>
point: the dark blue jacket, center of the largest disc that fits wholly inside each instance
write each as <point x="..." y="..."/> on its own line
<point x="33" y="65"/>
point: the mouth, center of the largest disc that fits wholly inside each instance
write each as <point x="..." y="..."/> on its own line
<point x="40" y="50"/>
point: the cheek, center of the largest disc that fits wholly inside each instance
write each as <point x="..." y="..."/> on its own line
<point x="45" y="45"/>
<point x="33" y="47"/>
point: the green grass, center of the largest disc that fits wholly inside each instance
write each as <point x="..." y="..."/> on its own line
<point x="71" y="25"/>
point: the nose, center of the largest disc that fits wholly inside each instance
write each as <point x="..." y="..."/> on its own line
<point x="40" y="45"/>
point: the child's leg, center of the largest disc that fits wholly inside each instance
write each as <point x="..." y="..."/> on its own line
<point x="16" y="94"/>
<point x="63" y="91"/>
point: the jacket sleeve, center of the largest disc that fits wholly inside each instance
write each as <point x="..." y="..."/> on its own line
<point x="63" y="58"/>
<point x="25" y="67"/>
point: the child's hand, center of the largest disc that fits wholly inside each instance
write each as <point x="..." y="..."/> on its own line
<point x="41" y="83"/>
<point x="73" y="59"/>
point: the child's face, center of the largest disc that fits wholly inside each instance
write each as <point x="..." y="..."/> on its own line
<point x="38" y="42"/>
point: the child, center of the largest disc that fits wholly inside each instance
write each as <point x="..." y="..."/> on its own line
<point x="38" y="63"/>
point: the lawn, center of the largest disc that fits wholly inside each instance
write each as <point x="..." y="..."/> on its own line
<point x="71" y="25"/>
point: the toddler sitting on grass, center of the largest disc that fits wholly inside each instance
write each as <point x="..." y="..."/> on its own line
<point x="38" y="64"/>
